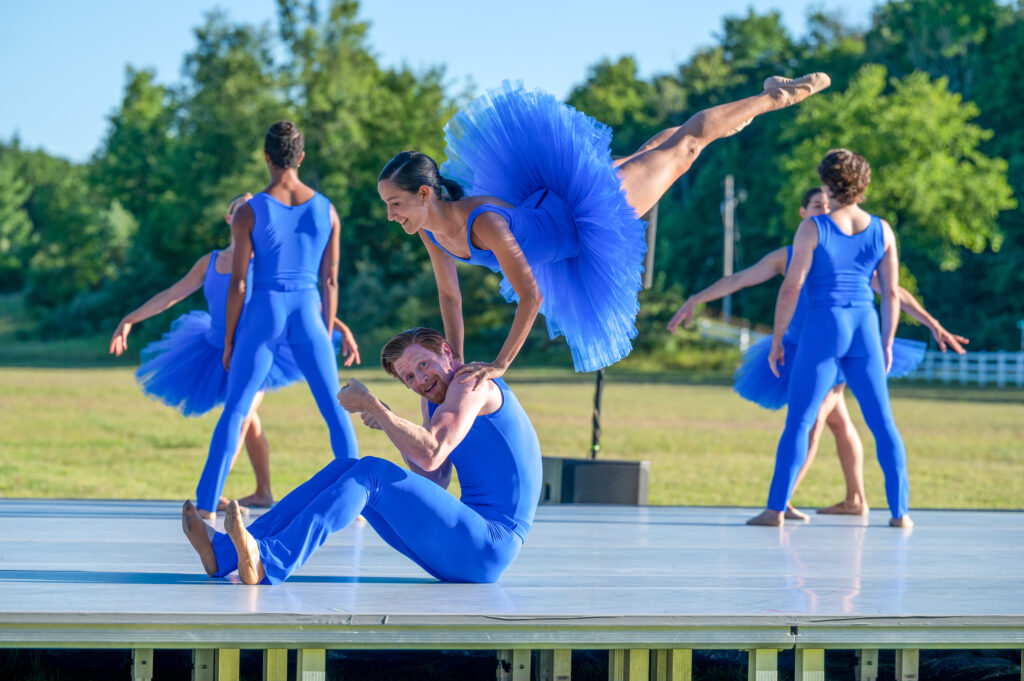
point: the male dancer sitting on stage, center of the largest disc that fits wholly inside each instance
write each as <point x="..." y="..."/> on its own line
<point x="481" y="429"/>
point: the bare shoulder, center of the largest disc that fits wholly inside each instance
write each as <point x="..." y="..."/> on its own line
<point x="482" y="399"/>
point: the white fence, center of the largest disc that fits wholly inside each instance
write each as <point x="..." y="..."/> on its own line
<point x="980" y="368"/>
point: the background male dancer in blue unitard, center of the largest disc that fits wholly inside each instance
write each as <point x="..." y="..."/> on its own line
<point x="292" y="234"/>
<point x="837" y="254"/>
<point x="480" y="429"/>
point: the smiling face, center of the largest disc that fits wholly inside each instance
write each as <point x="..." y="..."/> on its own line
<point x="425" y="372"/>
<point x="406" y="208"/>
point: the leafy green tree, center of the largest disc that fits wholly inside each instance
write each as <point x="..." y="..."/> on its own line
<point x="930" y="179"/>
<point x="15" y="225"/>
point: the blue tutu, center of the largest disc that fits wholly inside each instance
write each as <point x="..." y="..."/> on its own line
<point x="755" y="382"/>
<point x="184" y="369"/>
<point x="511" y="144"/>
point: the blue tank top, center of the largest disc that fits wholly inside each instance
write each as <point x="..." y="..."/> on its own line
<point x="499" y="464"/>
<point x="215" y="289"/>
<point x="288" y="242"/>
<point x="840" y="275"/>
<point x="542" y="226"/>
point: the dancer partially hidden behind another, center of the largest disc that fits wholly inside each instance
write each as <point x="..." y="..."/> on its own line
<point x="184" y="369"/>
<point x="481" y="430"/>
<point x="550" y="209"/>
<point x="755" y="381"/>
<point x="292" y="235"/>
<point x="837" y="254"/>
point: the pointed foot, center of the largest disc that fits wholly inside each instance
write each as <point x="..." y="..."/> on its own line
<point x="250" y="567"/>
<point x="200" y="536"/>
<point x="795" y="90"/>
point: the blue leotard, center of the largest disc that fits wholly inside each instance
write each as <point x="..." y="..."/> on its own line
<point x="841" y="332"/>
<point x="184" y="369"/>
<point x="288" y="246"/>
<point x="472" y="539"/>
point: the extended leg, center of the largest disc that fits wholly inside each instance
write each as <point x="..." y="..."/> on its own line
<point x="259" y="455"/>
<point x="647" y="174"/>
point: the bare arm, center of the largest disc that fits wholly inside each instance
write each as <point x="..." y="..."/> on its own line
<point x="913" y="307"/>
<point x="167" y="298"/>
<point x="888" y="281"/>
<point x="241" y="232"/>
<point x="493" y="233"/>
<point x="329" y="272"/>
<point x="764" y="269"/>
<point x="789" y="293"/>
<point x="448" y="295"/>
<point x="426" y="446"/>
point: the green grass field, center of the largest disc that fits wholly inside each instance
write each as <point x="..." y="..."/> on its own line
<point x="91" y="433"/>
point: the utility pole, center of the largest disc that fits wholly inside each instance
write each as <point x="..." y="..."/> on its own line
<point x="728" y="240"/>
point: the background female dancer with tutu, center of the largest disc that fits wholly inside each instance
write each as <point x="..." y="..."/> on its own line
<point x="552" y="212"/>
<point x="754" y="380"/>
<point x="184" y="368"/>
<point x="292" y="235"/>
<point x="837" y="254"/>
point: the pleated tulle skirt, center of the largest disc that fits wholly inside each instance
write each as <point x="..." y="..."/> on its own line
<point x="185" y="370"/>
<point x="755" y="382"/>
<point x="510" y="143"/>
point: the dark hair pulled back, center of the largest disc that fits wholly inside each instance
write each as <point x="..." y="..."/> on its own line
<point x="845" y="174"/>
<point x="284" y="144"/>
<point x="411" y="170"/>
<point x="809" y="196"/>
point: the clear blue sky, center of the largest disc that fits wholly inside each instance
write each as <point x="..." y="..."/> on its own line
<point x="64" y="60"/>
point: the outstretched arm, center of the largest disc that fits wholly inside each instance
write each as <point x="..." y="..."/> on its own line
<point x="429" y="445"/>
<point x="764" y="269"/>
<point x="789" y="293"/>
<point x="241" y="233"/>
<point x="329" y="263"/>
<point x="494" y="235"/>
<point x="448" y="295"/>
<point x="913" y="307"/>
<point x="167" y="298"/>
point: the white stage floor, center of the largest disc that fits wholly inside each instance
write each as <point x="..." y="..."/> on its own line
<point x="102" y="573"/>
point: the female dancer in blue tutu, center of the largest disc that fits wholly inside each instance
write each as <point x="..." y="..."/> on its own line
<point x="184" y="369"/>
<point x="292" y="235"/>
<point x="530" y="189"/>
<point x="836" y="255"/>
<point x="754" y="380"/>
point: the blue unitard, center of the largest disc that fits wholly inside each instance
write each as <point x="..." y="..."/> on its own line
<point x="472" y="539"/>
<point x="841" y="333"/>
<point x="288" y="245"/>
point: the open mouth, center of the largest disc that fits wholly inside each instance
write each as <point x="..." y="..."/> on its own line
<point x="429" y="388"/>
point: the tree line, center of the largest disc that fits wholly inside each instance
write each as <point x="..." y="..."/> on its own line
<point x="927" y="93"/>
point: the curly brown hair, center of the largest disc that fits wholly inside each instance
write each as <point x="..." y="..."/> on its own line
<point x="845" y="174"/>
<point x="429" y="338"/>
<point x="284" y="144"/>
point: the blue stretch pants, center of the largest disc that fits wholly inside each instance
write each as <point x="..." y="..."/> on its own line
<point x="270" y="318"/>
<point x="444" y="536"/>
<point x="834" y="338"/>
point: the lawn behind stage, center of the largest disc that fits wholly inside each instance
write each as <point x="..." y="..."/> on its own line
<point x="90" y="433"/>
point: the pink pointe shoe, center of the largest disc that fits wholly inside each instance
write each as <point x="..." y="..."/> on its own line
<point x="796" y="90"/>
